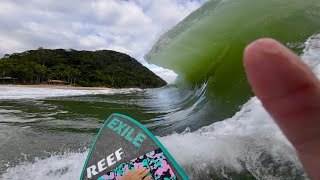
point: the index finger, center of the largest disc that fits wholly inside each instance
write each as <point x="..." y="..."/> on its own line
<point x="291" y="94"/>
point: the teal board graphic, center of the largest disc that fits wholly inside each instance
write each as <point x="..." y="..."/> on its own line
<point x="123" y="144"/>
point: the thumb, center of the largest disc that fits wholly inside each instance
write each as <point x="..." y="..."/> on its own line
<point x="291" y="94"/>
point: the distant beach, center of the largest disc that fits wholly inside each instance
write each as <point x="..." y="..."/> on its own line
<point x="48" y="91"/>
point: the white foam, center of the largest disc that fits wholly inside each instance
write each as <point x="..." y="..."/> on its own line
<point x="63" y="167"/>
<point x="40" y="93"/>
<point x="311" y="54"/>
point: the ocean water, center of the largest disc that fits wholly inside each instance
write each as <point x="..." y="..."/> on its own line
<point x="45" y="133"/>
<point x="209" y="120"/>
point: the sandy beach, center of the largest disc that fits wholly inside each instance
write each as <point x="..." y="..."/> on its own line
<point x="63" y="87"/>
<point x="48" y="91"/>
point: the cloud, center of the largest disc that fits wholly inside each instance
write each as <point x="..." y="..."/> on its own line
<point x="166" y="74"/>
<point x="129" y="26"/>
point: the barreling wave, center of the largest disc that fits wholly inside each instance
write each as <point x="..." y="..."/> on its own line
<point x="209" y="43"/>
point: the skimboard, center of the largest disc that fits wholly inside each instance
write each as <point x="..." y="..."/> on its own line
<point x="123" y="144"/>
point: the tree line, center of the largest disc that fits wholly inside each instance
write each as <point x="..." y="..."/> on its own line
<point x="82" y="68"/>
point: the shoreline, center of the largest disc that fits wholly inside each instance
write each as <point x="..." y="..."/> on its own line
<point x="63" y="87"/>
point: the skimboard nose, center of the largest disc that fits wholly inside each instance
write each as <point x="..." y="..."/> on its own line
<point x="123" y="144"/>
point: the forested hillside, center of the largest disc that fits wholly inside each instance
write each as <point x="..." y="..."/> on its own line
<point x="83" y="68"/>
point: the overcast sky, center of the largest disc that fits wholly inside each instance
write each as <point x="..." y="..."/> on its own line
<point x="129" y="26"/>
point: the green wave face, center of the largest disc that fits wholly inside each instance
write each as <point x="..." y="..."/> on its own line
<point x="209" y="43"/>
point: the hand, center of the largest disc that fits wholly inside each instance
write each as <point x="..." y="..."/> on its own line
<point x="137" y="174"/>
<point x="291" y="94"/>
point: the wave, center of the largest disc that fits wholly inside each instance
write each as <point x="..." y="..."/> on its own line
<point x="208" y="44"/>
